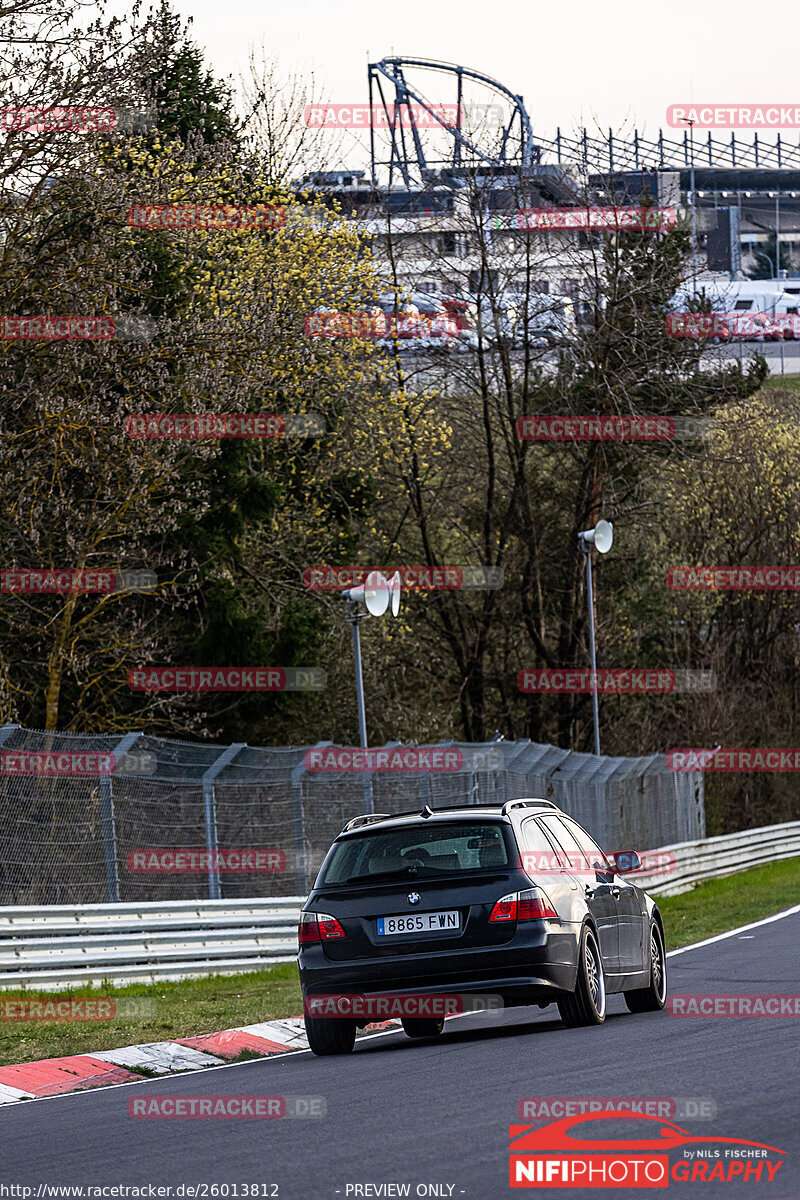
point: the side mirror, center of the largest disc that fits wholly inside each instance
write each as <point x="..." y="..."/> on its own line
<point x="626" y="861"/>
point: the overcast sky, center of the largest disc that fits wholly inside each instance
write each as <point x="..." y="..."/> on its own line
<point x="610" y="64"/>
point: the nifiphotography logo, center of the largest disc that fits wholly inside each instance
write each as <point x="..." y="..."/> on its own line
<point x="556" y="1155"/>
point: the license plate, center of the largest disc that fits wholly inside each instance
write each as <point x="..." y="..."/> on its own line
<point x="430" y="922"/>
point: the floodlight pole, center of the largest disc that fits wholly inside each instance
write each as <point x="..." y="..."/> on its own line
<point x="592" y="655"/>
<point x="693" y="208"/>
<point x="601" y="538"/>
<point x="376" y="594"/>
<point x="353" y="616"/>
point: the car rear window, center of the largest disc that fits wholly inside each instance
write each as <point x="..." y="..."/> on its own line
<point x="417" y="851"/>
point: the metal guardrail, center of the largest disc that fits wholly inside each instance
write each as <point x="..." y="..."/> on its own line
<point x="715" y="857"/>
<point x="67" y="945"/>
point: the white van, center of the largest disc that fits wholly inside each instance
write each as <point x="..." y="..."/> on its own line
<point x="764" y="296"/>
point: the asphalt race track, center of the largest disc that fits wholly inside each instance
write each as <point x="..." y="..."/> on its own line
<point x="437" y="1113"/>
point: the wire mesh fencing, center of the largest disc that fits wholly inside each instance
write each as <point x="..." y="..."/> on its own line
<point x="88" y="818"/>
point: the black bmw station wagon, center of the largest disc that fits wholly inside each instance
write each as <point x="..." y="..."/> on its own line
<point x="515" y="901"/>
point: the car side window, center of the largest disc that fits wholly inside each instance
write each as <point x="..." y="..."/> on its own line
<point x="558" y="849"/>
<point x="540" y="850"/>
<point x="586" y="843"/>
<point x="534" y="837"/>
<point x="578" y="858"/>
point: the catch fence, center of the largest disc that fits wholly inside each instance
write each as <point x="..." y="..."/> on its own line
<point x="76" y="829"/>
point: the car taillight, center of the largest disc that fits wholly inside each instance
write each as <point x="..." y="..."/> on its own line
<point x="533" y="905"/>
<point x="307" y="930"/>
<point x="530" y="905"/>
<point x="505" y="909"/>
<point x="318" y="927"/>
<point x="329" y="927"/>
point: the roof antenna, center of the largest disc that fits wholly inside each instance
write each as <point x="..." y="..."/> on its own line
<point x="427" y="811"/>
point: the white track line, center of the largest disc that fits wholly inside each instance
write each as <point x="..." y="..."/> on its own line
<point x="720" y="937"/>
<point x="252" y="1062"/>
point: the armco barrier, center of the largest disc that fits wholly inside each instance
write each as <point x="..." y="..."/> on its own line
<point x="718" y="856"/>
<point x="66" y="945"/>
<point x="63" y="945"/>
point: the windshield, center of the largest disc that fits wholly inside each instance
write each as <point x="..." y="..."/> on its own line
<point x="417" y="852"/>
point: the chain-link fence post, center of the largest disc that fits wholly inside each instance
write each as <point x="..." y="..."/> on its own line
<point x="210" y="809"/>
<point x="299" y="827"/>
<point x="299" y="821"/>
<point x="108" y="821"/>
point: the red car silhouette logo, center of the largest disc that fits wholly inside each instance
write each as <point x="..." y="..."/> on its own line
<point x="555" y="1136"/>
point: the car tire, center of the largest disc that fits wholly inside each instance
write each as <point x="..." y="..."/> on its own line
<point x="587" y="1004"/>
<point x="422" y="1027"/>
<point x="653" y="997"/>
<point x="332" y="1035"/>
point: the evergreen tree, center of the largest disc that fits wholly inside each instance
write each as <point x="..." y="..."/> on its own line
<point x="764" y="267"/>
<point x="189" y="102"/>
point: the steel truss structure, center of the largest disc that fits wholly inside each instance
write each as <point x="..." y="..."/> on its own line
<point x="401" y="113"/>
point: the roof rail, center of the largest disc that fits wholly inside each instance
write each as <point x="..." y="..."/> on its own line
<point x="427" y="811"/>
<point x="364" y="819"/>
<point x="509" y="804"/>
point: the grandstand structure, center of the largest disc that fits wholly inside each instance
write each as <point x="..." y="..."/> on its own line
<point x="433" y="164"/>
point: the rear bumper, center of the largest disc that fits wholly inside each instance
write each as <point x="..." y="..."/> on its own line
<point x="532" y="968"/>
